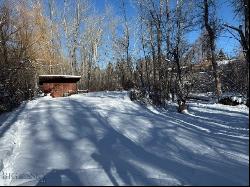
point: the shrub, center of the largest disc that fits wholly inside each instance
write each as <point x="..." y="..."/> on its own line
<point x="229" y="101"/>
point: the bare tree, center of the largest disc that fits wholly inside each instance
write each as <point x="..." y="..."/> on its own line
<point x="126" y="42"/>
<point x="179" y="48"/>
<point x="211" y="26"/>
<point x="241" y="8"/>
<point x="168" y="31"/>
<point x="73" y="16"/>
<point x="90" y="42"/>
<point x="143" y="43"/>
<point x="20" y="37"/>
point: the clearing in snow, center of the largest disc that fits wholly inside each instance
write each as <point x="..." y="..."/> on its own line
<point x="106" y="139"/>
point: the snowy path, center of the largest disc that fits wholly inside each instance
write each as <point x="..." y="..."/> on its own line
<point x="105" y="139"/>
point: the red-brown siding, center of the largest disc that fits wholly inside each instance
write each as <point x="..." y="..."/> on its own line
<point x="59" y="89"/>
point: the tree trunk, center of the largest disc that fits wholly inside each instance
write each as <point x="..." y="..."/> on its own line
<point x="211" y="34"/>
<point x="168" y="82"/>
<point x="247" y="59"/>
<point x="153" y="53"/>
<point x="216" y="72"/>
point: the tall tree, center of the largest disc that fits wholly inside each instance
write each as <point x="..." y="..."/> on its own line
<point x="182" y="25"/>
<point x="241" y="8"/>
<point x="73" y="17"/>
<point x="211" y="26"/>
<point x="126" y="36"/>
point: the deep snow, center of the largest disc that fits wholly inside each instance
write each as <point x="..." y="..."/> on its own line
<point x="106" y="139"/>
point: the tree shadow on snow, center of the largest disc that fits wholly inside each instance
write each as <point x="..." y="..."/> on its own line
<point x="209" y="170"/>
<point x="11" y="119"/>
<point x="57" y="177"/>
<point x="122" y="159"/>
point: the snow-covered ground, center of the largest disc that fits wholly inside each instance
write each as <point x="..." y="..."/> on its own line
<point x="106" y="139"/>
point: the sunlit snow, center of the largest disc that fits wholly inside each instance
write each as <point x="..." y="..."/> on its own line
<point x="105" y="139"/>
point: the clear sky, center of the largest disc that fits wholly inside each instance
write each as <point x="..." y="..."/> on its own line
<point x="224" y="11"/>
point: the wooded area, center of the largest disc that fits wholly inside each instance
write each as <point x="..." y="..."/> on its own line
<point x="38" y="37"/>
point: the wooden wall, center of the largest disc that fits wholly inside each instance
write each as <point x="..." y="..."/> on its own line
<point x="59" y="89"/>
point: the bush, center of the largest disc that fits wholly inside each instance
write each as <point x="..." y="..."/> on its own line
<point x="233" y="99"/>
<point x="156" y="98"/>
<point x="2" y="108"/>
<point x="145" y="97"/>
<point x="136" y="95"/>
<point x="228" y="101"/>
<point x="128" y="84"/>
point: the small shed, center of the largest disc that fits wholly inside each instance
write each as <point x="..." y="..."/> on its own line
<point x="59" y="85"/>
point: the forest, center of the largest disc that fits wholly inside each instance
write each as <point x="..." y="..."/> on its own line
<point x="148" y="54"/>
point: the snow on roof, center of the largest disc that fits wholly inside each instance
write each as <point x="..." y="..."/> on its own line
<point x="61" y="76"/>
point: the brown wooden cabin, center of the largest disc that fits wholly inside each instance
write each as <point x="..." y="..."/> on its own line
<point x="59" y="85"/>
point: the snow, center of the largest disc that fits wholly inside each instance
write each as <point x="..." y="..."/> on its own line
<point x="202" y="96"/>
<point x="103" y="138"/>
<point x="64" y="76"/>
<point x="234" y="97"/>
<point x="223" y="62"/>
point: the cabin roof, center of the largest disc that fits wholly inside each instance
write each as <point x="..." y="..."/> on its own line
<point x="58" y="79"/>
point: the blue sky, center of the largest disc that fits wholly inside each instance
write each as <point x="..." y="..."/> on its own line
<point x="224" y="11"/>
